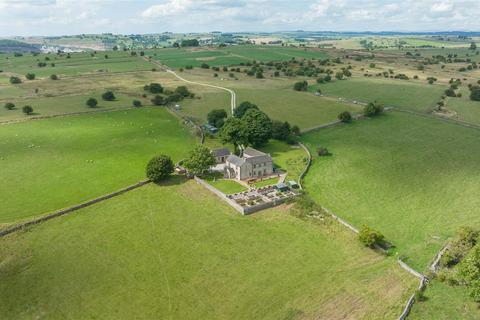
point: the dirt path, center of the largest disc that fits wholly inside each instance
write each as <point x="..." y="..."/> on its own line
<point x="232" y="93"/>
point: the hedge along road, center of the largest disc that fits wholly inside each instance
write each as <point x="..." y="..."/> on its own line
<point x="232" y="93"/>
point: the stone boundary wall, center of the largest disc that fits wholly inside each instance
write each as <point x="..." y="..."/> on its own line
<point x="236" y="206"/>
<point x="62" y="212"/>
<point x="305" y="170"/>
<point x="220" y="194"/>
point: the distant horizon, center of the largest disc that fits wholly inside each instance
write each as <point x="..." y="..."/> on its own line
<point x="346" y="32"/>
<point x="66" y="17"/>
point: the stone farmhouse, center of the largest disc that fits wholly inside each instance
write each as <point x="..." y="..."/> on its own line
<point x="253" y="164"/>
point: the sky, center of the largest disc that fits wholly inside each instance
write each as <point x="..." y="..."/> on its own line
<point x="67" y="17"/>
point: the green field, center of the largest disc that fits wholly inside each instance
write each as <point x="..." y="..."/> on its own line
<point x="55" y="163"/>
<point x="398" y="93"/>
<point x="291" y="159"/>
<point x="78" y="63"/>
<point x="412" y="178"/>
<point x="445" y="303"/>
<point x="176" y="251"/>
<point x="465" y="109"/>
<point x="181" y="57"/>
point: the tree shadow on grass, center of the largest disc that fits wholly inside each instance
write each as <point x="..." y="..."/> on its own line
<point x="173" y="180"/>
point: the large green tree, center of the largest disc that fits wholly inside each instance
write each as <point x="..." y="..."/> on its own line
<point x="199" y="160"/>
<point x="242" y="108"/>
<point x="234" y="132"/>
<point x="217" y="117"/>
<point x="258" y="127"/>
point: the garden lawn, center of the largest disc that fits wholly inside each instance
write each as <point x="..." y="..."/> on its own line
<point x="176" y="252"/>
<point x="55" y="163"/>
<point x="415" y="179"/>
<point x="224" y="185"/>
<point x="266" y="182"/>
<point x="398" y="93"/>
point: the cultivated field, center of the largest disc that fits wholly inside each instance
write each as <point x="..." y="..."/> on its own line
<point x="175" y="251"/>
<point x="54" y="163"/>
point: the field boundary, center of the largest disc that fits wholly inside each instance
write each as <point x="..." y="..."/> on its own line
<point x="68" y="210"/>
<point x="309" y="162"/>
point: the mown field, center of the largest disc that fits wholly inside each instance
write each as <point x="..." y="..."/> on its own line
<point x="54" y="163"/>
<point x="175" y="251"/>
<point x="181" y="57"/>
<point x="408" y="95"/>
<point x="410" y="177"/>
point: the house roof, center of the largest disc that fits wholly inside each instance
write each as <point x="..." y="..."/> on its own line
<point x="233" y="159"/>
<point x="259" y="159"/>
<point x="250" y="152"/>
<point x="220" y="152"/>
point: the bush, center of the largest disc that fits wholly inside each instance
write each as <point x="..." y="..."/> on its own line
<point x="158" y="100"/>
<point x="137" y="103"/>
<point x="322" y="151"/>
<point x="204" y="66"/>
<point x="28" y="110"/>
<point x="108" y="96"/>
<point x="9" y="106"/>
<point x="372" y="109"/>
<point x="15" y="80"/>
<point x="30" y="76"/>
<point x="300" y="86"/>
<point x="345" y="117"/>
<point x="92" y="102"/>
<point x="153" y="88"/>
<point x="450" y="92"/>
<point x="183" y="91"/>
<point x="475" y="93"/>
<point x="370" y="237"/>
<point x="54" y="77"/>
<point x="159" y="168"/>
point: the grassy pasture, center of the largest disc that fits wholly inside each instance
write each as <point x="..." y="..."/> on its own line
<point x="465" y="109"/>
<point x="413" y="178"/>
<point x="54" y="163"/>
<point x="175" y="251"/>
<point x="291" y="159"/>
<point x="78" y="63"/>
<point x="403" y="94"/>
<point x="181" y="57"/>
<point x="445" y="303"/>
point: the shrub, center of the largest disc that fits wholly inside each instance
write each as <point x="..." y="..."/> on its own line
<point x="322" y="151"/>
<point x="15" y="80"/>
<point x="158" y="100"/>
<point x="30" y="76"/>
<point x="372" y="109"/>
<point x="183" y="91"/>
<point x="92" y="102"/>
<point x="450" y="92"/>
<point x="159" y="168"/>
<point x="54" y="77"/>
<point x="153" y="88"/>
<point x="370" y="237"/>
<point x="108" y="96"/>
<point x="475" y="93"/>
<point x="137" y="103"/>
<point x="28" y="110"/>
<point x="300" y="86"/>
<point x="345" y="117"/>
<point x="9" y="106"/>
<point x="204" y="66"/>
